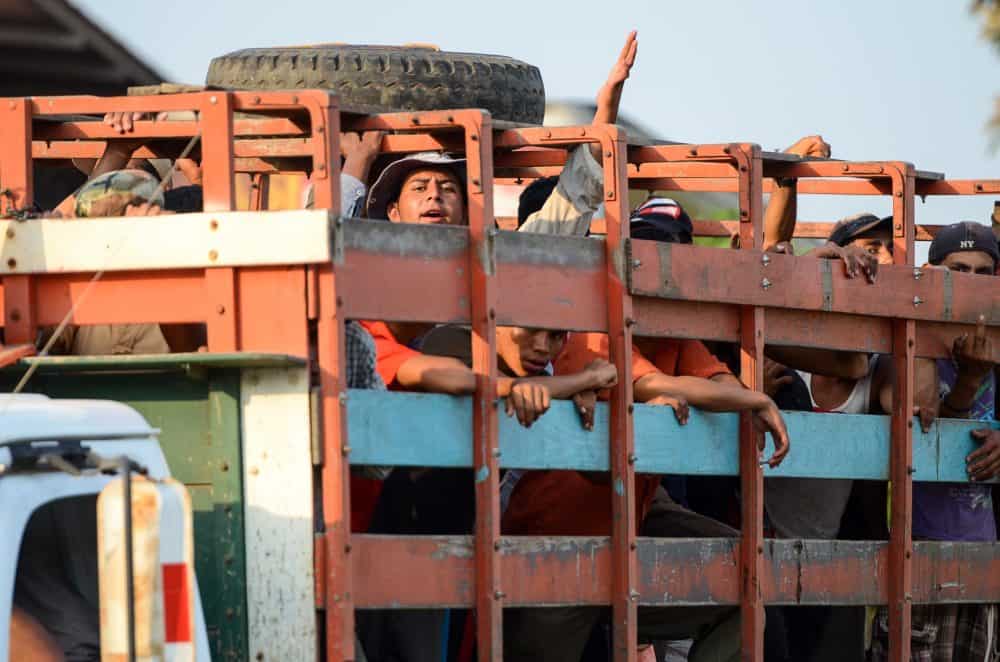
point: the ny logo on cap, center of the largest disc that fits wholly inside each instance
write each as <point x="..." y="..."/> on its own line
<point x="967" y="243"/>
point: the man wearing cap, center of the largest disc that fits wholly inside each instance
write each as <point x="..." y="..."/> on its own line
<point x="957" y="511"/>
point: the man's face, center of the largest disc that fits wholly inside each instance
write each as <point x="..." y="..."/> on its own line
<point x="878" y="244"/>
<point x="528" y="351"/>
<point x="969" y="262"/>
<point x="429" y="196"/>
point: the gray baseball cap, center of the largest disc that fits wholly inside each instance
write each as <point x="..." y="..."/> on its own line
<point x="386" y="188"/>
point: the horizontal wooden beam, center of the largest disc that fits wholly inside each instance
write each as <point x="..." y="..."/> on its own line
<point x="172" y="241"/>
<point x="435" y="571"/>
<point x="433" y="430"/>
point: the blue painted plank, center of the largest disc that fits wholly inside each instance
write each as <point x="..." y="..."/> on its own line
<point x="417" y="429"/>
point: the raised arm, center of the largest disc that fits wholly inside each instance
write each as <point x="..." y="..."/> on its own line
<point x="780" y="216"/>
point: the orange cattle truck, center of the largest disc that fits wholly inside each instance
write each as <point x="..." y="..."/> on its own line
<point x="251" y="408"/>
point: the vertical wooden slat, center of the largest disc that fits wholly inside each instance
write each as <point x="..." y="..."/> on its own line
<point x="16" y="180"/>
<point x="336" y="549"/>
<point x="624" y="591"/>
<point x="15" y="154"/>
<point x="485" y="424"/>
<point x="751" y="371"/>
<point x="901" y="431"/>
<point x="20" y="323"/>
<point x="220" y="195"/>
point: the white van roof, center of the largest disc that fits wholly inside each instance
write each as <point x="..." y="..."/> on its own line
<point x="32" y="416"/>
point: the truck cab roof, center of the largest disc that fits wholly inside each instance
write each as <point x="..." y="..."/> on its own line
<point x="33" y="416"/>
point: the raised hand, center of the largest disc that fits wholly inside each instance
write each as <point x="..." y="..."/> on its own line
<point x="813" y="146"/>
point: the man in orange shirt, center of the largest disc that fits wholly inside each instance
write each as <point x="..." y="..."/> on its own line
<point x="684" y="372"/>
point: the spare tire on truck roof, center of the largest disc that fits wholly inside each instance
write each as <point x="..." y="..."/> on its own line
<point x="390" y="78"/>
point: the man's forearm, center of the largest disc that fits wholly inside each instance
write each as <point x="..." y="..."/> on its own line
<point x="779" y="218"/>
<point x="701" y="393"/>
<point x="962" y="395"/>
<point x="562" y="387"/>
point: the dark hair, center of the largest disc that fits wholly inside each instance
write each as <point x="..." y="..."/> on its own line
<point x="534" y="196"/>
<point x="184" y="199"/>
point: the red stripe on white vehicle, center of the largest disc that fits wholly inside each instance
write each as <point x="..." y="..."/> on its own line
<point x="176" y="603"/>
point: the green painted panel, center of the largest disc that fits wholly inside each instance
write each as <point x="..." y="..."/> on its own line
<point x="198" y="413"/>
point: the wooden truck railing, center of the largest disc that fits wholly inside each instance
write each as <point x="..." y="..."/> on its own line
<point x="285" y="282"/>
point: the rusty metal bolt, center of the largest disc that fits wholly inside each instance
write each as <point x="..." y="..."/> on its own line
<point x="634" y="546"/>
<point x="911" y="470"/>
<point x="348" y="548"/>
<point x="636" y="263"/>
<point x="692" y="152"/>
<point x="213" y="255"/>
<point x="744" y="213"/>
<point x="633" y="458"/>
<point x="255" y="100"/>
<point x="10" y="233"/>
<point x="260" y="656"/>
<point x="610" y="195"/>
<point x="450" y="119"/>
<point x="474" y="137"/>
<point x="765" y="283"/>
<point x="496" y="545"/>
<point x="345" y="451"/>
<point x="213" y="224"/>
<point x="499" y="595"/>
<point x="726" y="150"/>
<point x="340" y="301"/>
<point x="760" y="549"/>
<point x="475" y="181"/>
<point x="220" y="309"/>
<point x="224" y="466"/>
<point x="607" y="155"/>
<point x="633" y="595"/>
<point x="12" y="105"/>
<point x="320" y="129"/>
<point x="12" y="263"/>
<point x="917" y="301"/>
<point x="917" y="273"/>
<point x="230" y="613"/>
<point x="212" y="100"/>
<point x="743" y="168"/>
<point x="320" y="167"/>
<point x="415" y="120"/>
<point x="631" y="408"/>
<point x="496" y="452"/>
<point x="629" y="321"/>
<point x="765" y="259"/>
<point x="295" y="99"/>
<point x="15" y="315"/>
<point x="493" y="314"/>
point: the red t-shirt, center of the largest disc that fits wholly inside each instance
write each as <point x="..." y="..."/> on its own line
<point x="567" y="503"/>
<point x="390" y="354"/>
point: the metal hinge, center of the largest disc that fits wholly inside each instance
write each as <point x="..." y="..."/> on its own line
<point x="627" y="266"/>
<point x="337" y="239"/>
<point x="316" y="427"/>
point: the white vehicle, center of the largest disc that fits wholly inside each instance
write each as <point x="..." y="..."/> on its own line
<point x="56" y="458"/>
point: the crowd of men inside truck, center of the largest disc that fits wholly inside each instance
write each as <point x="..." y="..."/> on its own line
<point x="538" y="365"/>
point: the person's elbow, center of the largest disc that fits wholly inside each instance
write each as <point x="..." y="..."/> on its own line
<point x="435" y="374"/>
<point x="855" y="366"/>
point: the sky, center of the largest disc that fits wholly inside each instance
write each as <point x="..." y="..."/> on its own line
<point x="888" y="80"/>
